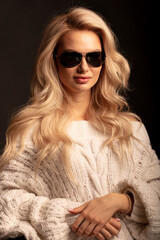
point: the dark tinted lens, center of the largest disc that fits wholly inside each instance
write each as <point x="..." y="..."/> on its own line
<point x="70" y="59"/>
<point x="95" y="59"/>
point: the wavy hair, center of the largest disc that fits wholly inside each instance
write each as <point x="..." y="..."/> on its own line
<point x="48" y="107"/>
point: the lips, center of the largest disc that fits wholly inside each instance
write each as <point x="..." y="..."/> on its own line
<point x="82" y="79"/>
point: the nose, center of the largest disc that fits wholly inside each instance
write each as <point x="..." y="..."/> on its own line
<point x="83" y="66"/>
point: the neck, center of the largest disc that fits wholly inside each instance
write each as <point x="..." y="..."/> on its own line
<point x="79" y="104"/>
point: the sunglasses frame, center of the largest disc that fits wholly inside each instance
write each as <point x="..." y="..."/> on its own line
<point x="81" y="54"/>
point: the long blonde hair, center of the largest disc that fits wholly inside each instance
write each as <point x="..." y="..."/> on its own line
<point x="48" y="107"/>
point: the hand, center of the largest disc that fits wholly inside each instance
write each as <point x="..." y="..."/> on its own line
<point x="112" y="228"/>
<point x="95" y="214"/>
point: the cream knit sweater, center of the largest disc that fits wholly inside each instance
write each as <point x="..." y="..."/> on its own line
<point x="37" y="208"/>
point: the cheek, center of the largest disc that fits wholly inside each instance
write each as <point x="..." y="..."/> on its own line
<point x="97" y="73"/>
<point x="65" y="74"/>
<point x="61" y="71"/>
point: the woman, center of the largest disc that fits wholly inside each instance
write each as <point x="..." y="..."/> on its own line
<point x="77" y="164"/>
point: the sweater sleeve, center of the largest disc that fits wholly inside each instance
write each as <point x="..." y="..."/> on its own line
<point x="27" y="207"/>
<point x="144" y="183"/>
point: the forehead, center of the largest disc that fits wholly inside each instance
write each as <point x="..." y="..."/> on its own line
<point x="81" y="41"/>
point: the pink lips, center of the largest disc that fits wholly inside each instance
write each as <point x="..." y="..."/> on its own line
<point x="82" y="79"/>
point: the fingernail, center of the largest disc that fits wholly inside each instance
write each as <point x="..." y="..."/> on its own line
<point x="118" y="219"/>
<point x="70" y="209"/>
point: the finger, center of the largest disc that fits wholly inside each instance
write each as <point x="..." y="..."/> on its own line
<point x="109" y="229"/>
<point x="82" y="227"/>
<point x="78" y="209"/>
<point x="89" y="229"/>
<point x="115" y="223"/>
<point x="97" y="229"/>
<point x="77" y="223"/>
<point x="100" y="236"/>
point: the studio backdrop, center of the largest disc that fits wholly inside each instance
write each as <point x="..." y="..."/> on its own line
<point x="134" y="23"/>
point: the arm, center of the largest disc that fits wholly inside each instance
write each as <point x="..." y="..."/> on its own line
<point x="27" y="206"/>
<point x="95" y="217"/>
<point x="144" y="184"/>
<point x="32" y="216"/>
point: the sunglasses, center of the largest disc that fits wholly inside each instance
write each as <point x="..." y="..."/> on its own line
<point x="71" y="59"/>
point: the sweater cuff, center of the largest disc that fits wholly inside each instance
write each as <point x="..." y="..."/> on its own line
<point x="138" y="211"/>
<point x="13" y="229"/>
<point x="51" y="218"/>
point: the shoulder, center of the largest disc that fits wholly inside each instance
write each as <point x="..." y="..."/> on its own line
<point x="139" y="132"/>
<point x="25" y="140"/>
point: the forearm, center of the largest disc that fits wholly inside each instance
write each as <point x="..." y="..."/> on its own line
<point x="32" y="215"/>
<point x="144" y="218"/>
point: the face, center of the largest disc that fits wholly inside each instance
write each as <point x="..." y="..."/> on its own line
<point x="83" y="76"/>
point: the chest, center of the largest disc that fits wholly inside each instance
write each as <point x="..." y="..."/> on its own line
<point x="96" y="171"/>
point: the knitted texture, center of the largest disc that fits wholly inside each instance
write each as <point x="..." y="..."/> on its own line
<point x="37" y="208"/>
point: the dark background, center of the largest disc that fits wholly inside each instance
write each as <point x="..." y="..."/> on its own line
<point x="135" y="25"/>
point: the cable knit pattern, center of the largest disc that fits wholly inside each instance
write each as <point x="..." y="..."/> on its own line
<point x="37" y="208"/>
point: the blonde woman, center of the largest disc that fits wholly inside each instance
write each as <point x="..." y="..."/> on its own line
<point x="77" y="164"/>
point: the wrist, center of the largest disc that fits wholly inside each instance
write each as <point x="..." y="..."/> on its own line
<point x="120" y="202"/>
<point x="126" y="203"/>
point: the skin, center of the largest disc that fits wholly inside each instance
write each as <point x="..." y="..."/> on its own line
<point x="96" y="216"/>
<point x="80" y="41"/>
